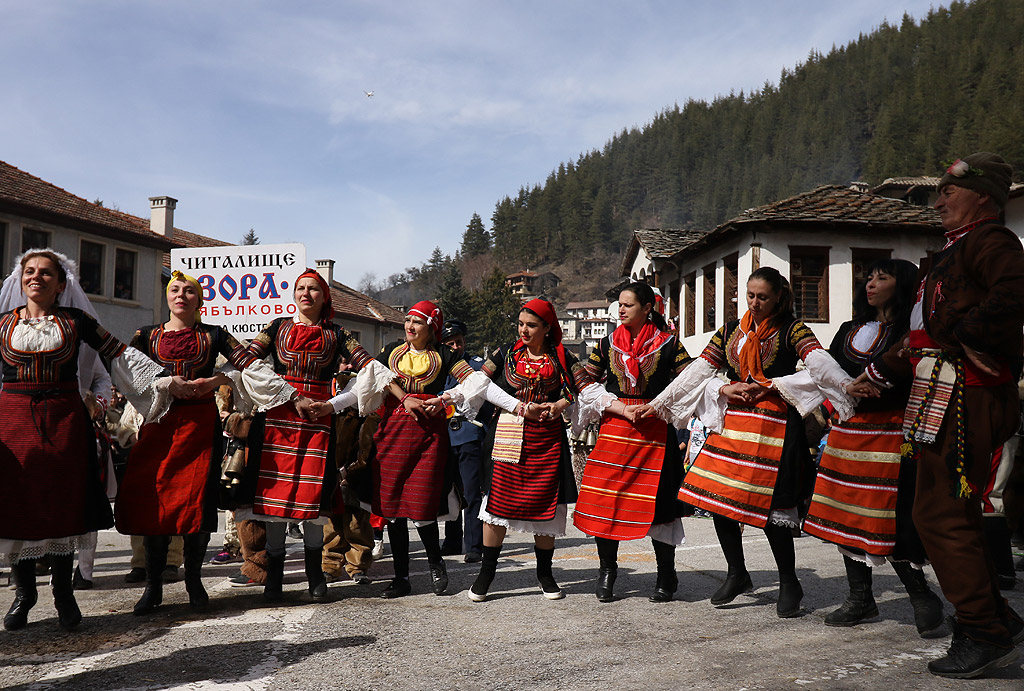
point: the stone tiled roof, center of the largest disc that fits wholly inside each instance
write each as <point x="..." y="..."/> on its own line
<point x="907" y="182"/>
<point x="839" y="204"/>
<point x="28" y="195"/>
<point x="931" y="182"/>
<point x="828" y="207"/>
<point x="658" y="243"/>
<point x="662" y="243"/>
<point x="351" y="304"/>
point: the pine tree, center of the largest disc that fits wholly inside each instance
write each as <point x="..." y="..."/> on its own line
<point x="496" y="310"/>
<point x="476" y="240"/>
<point x="250" y="238"/>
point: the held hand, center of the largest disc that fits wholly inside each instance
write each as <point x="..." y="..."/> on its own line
<point x="755" y="392"/>
<point x="303" y="406"/>
<point x="734" y="393"/>
<point x="318" y="409"/>
<point x="180" y="388"/>
<point x="631" y="413"/>
<point x="557" y="408"/>
<point x="863" y="389"/>
<point x="535" y="411"/>
<point x="986" y="363"/>
<point x="903" y="352"/>
<point x="645" y="410"/>
<point x="417" y="408"/>
<point x="203" y="387"/>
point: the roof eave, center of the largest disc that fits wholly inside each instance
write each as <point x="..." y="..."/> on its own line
<point x="152" y="240"/>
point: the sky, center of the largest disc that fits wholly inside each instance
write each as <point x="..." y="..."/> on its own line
<point x="253" y="114"/>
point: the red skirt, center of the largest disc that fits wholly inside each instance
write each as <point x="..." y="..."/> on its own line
<point x="854" y="502"/>
<point x="528" y="490"/>
<point x="734" y="474"/>
<point x="409" y="466"/>
<point x="620" y="481"/>
<point x="293" y="459"/>
<point x="166" y="489"/>
<point x="49" y="476"/>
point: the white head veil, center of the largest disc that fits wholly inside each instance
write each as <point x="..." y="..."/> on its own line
<point x="89" y="365"/>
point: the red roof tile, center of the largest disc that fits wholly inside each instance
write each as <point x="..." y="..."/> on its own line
<point x="30" y="196"/>
<point x="351" y="304"/>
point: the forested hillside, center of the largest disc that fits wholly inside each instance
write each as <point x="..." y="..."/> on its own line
<point x="895" y="102"/>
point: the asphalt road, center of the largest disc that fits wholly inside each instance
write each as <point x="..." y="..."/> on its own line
<point x="515" y="640"/>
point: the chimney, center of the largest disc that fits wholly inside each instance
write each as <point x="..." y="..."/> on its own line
<point x="161" y="215"/>
<point x="325" y="267"/>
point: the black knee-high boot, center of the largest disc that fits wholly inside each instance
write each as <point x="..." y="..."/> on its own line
<point x="273" y="589"/>
<point x="156" y="560"/>
<point x="737" y="580"/>
<point x="430" y="535"/>
<point x="608" y="568"/>
<point x="398" y="536"/>
<point x="69" y="615"/>
<point x="668" y="581"/>
<point x="195" y="555"/>
<point x="25" y="594"/>
<point x="780" y="538"/>
<point x="929" y="614"/>
<point x="545" y="577"/>
<point x="315" y="578"/>
<point x="488" y="565"/>
<point x="860" y="606"/>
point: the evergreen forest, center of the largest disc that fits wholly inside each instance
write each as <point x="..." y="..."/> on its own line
<point x="892" y="103"/>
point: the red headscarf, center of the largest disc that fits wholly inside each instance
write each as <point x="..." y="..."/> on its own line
<point x="327" y="311"/>
<point x="431" y="313"/>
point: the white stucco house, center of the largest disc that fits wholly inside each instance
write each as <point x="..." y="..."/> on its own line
<point x="823" y="241"/>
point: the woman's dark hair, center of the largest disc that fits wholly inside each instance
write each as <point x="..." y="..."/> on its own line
<point x="645" y="296"/>
<point x="902" y="301"/>
<point x="784" y="313"/>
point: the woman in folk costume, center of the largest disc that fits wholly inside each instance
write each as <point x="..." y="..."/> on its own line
<point x="51" y="494"/>
<point x="529" y="480"/>
<point x="864" y="492"/>
<point x="290" y="474"/>
<point x="632" y="476"/>
<point x="757" y="468"/>
<point x="171" y="480"/>
<point x="410" y="473"/>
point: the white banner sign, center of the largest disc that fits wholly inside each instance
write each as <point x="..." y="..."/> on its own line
<point x="244" y="286"/>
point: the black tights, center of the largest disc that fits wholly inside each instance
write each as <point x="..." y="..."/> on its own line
<point x="664" y="553"/>
<point x="398" y="536"/>
<point x="780" y="539"/>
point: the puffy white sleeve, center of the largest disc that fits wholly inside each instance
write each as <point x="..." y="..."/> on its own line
<point x="370" y="384"/>
<point x="590" y="405"/>
<point x="142" y="382"/>
<point x="822" y="379"/>
<point x="258" y="388"/>
<point x="471" y="393"/>
<point x="346" y="398"/>
<point x="678" y="402"/>
<point x="712" y="405"/>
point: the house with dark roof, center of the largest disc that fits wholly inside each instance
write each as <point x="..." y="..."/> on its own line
<point x="823" y="241"/>
<point x="648" y="257"/>
<point x="119" y="255"/>
<point x="529" y="284"/>
<point x="373" y="323"/>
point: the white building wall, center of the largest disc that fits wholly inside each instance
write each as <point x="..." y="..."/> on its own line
<point x="120" y="317"/>
<point x="775" y="252"/>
